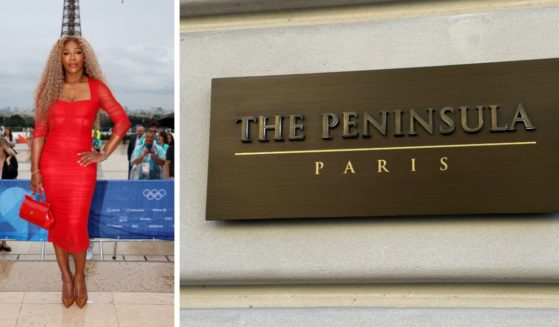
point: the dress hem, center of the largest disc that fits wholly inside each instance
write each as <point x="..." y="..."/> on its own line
<point x="64" y="247"/>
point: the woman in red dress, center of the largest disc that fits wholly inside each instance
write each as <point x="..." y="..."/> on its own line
<point x="70" y="93"/>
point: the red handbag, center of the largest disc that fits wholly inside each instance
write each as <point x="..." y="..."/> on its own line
<point x="36" y="212"/>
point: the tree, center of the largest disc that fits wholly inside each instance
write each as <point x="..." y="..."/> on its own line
<point x="29" y="121"/>
<point x="15" y="121"/>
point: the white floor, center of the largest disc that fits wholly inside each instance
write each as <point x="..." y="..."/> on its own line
<point x="104" y="309"/>
<point x="136" y="289"/>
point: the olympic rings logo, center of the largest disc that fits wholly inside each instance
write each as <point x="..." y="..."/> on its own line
<point x="154" y="194"/>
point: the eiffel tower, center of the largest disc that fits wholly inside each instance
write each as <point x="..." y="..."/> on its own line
<point x="71" y="18"/>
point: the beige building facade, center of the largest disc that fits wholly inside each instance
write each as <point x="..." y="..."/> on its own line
<point x="487" y="270"/>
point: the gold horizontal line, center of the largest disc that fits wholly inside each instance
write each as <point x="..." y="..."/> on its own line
<point x="417" y="147"/>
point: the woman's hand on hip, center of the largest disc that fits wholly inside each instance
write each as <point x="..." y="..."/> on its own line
<point x="37" y="183"/>
<point x="89" y="157"/>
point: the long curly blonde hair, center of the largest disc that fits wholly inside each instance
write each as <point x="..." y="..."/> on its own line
<point x="52" y="80"/>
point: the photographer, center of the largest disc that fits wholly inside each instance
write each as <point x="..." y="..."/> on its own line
<point x="148" y="159"/>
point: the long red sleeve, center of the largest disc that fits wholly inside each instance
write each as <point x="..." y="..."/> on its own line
<point x="41" y="126"/>
<point x="114" y="109"/>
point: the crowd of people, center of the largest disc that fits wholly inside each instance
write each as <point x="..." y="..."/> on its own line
<point x="151" y="154"/>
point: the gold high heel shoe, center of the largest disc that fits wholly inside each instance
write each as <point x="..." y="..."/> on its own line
<point x="67" y="288"/>
<point x="80" y="292"/>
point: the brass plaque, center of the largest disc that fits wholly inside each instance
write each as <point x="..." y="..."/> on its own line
<point x="449" y="140"/>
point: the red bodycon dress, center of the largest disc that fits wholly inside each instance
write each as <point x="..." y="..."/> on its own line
<point x="69" y="187"/>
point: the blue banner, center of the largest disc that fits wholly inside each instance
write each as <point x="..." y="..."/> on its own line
<point x="132" y="210"/>
<point x="127" y="210"/>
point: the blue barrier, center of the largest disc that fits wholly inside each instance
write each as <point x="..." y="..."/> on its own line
<point x="126" y="210"/>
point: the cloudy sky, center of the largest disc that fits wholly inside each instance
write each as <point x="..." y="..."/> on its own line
<point x="133" y="40"/>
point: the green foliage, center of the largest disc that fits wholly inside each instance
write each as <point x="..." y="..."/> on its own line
<point x="29" y="121"/>
<point x="15" y="121"/>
